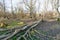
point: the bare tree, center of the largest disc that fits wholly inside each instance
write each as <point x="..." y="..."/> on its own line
<point x="55" y="5"/>
<point x="1" y="7"/>
<point x="12" y="8"/>
<point x="38" y="6"/>
<point x="12" y="11"/>
<point x="4" y="5"/>
<point x="4" y="9"/>
<point x="46" y="3"/>
<point x="30" y="5"/>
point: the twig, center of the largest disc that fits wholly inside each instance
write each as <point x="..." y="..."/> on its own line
<point x="43" y="34"/>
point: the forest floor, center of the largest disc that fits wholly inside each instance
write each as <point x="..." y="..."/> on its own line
<point x="46" y="30"/>
<point x="51" y="29"/>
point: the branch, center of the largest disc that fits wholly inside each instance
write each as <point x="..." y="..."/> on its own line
<point x="26" y="3"/>
<point x="30" y="35"/>
<point x="34" y="2"/>
<point x="28" y="30"/>
<point x="44" y="34"/>
<point x="16" y="31"/>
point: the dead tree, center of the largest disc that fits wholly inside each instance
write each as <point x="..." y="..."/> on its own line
<point x="30" y="6"/>
<point x="1" y="7"/>
<point x="55" y="5"/>
<point x="12" y="9"/>
<point x="4" y="9"/>
<point x="4" y="5"/>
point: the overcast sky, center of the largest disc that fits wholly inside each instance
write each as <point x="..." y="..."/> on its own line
<point x="16" y="3"/>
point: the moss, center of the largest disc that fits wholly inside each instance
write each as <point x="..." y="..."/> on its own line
<point x="15" y="23"/>
<point x="2" y="32"/>
<point x="58" y="19"/>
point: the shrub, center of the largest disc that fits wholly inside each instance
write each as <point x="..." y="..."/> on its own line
<point x="58" y="19"/>
<point x="3" y="25"/>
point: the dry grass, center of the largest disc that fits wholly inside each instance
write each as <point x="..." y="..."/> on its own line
<point x="50" y="15"/>
<point x="26" y="16"/>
